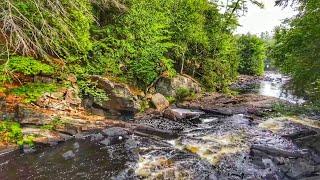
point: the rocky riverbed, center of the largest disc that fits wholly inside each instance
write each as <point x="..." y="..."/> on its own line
<point x="215" y="147"/>
<point x="212" y="137"/>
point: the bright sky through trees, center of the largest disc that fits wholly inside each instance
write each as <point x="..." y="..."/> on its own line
<point x="260" y="20"/>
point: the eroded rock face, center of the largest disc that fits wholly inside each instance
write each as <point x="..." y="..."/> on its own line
<point x="120" y="96"/>
<point x="64" y="99"/>
<point x="168" y="87"/>
<point x="160" y="102"/>
<point x="44" y="136"/>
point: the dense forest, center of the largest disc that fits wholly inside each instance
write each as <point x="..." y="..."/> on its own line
<point x="133" y="42"/>
<point x="296" y="49"/>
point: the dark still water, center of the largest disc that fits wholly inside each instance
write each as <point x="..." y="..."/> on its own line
<point x="87" y="161"/>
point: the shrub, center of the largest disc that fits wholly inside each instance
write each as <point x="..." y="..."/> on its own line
<point x="144" y="105"/>
<point x="90" y="89"/>
<point x="54" y="124"/>
<point x="32" y="91"/>
<point x="29" y="66"/>
<point x="171" y="99"/>
<point x="11" y="132"/>
<point x="184" y="94"/>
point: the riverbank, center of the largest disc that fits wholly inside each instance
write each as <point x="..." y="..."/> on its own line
<point x="213" y="136"/>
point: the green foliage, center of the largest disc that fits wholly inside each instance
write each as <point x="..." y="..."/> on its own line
<point x="171" y="99"/>
<point x="10" y="132"/>
<point x="54" y="124"/>
<point x="132" y="41"/>
<point x="144" y="105"/>
<point x="29" y="66"/>
<point x="90" y="89"/>
<point x="184" y="94"/>
<point x="296" y="50"/>
<point x="253" y="55"/>
<point x="26" y="140"/>
<point x="32" y="91"/>
<point x="137" y="43"/>
<point x="157" y="37"/>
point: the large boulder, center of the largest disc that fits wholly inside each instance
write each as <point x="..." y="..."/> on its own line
<point x="160" y="102"/>
<point x="120" y="97"/>
<point x="168" y="87"/>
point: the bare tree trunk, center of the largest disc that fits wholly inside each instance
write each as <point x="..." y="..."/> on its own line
<point x="182" y="64"/>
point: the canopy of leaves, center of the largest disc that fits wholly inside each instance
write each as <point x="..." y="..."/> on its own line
<point x="132" y="41"/>
<point x="253" y="55"/>
<point x="297" y="50"/>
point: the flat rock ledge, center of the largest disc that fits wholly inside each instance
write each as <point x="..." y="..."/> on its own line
<point x="220" y="104"/>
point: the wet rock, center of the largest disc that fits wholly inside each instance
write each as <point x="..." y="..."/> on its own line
<point x="301" y="169"/>
<point x="68" y="155"/>
<point x="28" y="149"/>
<point x="172" y="115"/>
<point x="76" y="145"/>
<point x="43" y="136"/>
<point x="212" y="177"/>
<point x="164" y="124"/>
<point x="106" y="142"/>
<point x="115" y="131"/>
<point x="114" y="135"/>
<point x="131" y="144"/>
<point x="169" y="86"/>
<point x="278" y="152"/>
<point x="149" y="130"/>
<point x="120" y="97"/>
<point x="223" y="105"/>
<point x="96" y="137"/>
<point x="181" y="114"/>
<point x="81" y="136"/>
<point x="246" y="83"/>
<point x="159" y="101"/>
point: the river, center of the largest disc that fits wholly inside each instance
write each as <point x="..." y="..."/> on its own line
<point x="215" y="147"/>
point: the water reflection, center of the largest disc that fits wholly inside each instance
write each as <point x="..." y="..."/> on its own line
<point x="274" y="85"/>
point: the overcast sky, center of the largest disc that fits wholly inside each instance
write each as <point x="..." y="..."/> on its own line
<point x="260" y="20"/>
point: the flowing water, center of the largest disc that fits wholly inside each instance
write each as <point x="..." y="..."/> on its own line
<point x="273" y="85"/>
<point x="216" y="147"/>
